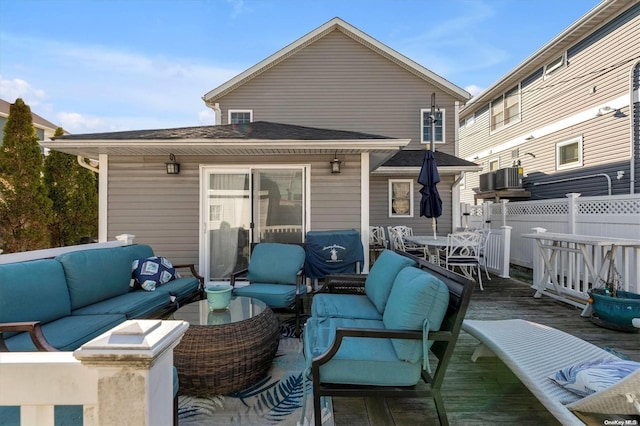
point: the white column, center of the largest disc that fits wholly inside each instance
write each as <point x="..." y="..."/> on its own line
<point x="572" y="213"/>
<point x="506" y="251"/>
<point x="538" y="262"/>
<point x="134" y="363"/>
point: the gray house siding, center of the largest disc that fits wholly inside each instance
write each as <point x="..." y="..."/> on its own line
<point x="163" y="210"/>
<point x="338" y="83"/>
<point x="596" y="72"/>
<point x="379" y="206"/>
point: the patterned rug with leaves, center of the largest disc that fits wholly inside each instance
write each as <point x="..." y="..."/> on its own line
<point x="275" y="400"/>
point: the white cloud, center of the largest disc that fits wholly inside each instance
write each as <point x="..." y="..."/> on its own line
<point x="10" y="90"/>
<point x="473" y="89"/>
<point x="207" y="117"/>
<point x="74" y="122"/>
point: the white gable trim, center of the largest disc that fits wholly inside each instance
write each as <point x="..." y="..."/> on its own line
<point x="354" y="33"/>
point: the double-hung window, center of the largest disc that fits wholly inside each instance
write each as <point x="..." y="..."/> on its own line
<point x="237" y="116"/>
<point x="505" y="110"/>
<point x="425" y="126"/>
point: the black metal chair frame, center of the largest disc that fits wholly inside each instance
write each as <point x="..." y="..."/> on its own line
<point x="460" y="290"/>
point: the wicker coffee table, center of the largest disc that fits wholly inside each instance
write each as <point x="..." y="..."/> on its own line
<point x="225" y="351"/>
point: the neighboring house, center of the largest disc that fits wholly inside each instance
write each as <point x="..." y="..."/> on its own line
<point x="264" y="171"/>
<point x="569" y="114"/>
<point x="44" y="128"/>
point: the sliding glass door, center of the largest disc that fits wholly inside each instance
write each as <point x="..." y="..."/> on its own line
<point x="248" y="205"/>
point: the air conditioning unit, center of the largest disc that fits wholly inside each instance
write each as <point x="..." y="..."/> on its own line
<point x="508" y="178"/>
<point x="487" y="182"/>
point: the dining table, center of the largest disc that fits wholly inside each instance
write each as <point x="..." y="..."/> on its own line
<point x="438" y="244"/>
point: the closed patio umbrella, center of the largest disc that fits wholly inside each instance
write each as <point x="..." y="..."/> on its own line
<point x="430" y="203"/>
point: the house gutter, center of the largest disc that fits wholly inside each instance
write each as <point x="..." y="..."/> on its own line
<point x="85" y="165"/>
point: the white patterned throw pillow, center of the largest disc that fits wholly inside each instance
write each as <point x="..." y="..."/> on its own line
<point x="152" y="272"/>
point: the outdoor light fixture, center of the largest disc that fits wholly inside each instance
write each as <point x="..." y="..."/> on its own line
<point x="530" y="138"/>
<point x="335" y="164"/>
<point x="603" y="110"/>
<point x="173" y="168"/>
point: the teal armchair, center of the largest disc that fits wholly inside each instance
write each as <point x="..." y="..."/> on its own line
<point x="275" y="276"/>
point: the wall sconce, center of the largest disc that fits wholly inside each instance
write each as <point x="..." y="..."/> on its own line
<point x="173" y="168"/>
<point x="603" y="110"/>
<point x="335" y="164"/>
<point x="529" y="138"/>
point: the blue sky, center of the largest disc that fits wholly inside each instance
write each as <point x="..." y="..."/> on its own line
<point x="109" y="65"/>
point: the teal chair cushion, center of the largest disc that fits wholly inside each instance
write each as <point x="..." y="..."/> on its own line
<point x="134" y="304"/>
<point x="343" y="306"/>
<point x="33" y="291"/>
<point x="96" y="275"/>
<point x="275" y="263"/>
<point x="363" y="361"/>
<point x="274" y="295"/>
<point x="181" y="288"/>
<point x="417" y="298"/>
<point x="68" y="333"/>
<point x="380" y="279"/>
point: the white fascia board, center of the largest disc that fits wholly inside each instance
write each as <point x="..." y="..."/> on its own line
<point x="387" y="171"/>
<point x="166" y="146"/>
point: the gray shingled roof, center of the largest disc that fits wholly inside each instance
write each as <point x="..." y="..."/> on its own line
<point x="414" y="158"/>
<point x="255" y="130"/>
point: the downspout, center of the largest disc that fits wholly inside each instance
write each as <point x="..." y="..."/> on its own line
<point x="634" y="96"/>
<point x="218" y="112"/>
<point x="85" y="165"/>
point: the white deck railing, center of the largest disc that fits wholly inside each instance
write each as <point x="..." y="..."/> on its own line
<point x="124" y="376"/>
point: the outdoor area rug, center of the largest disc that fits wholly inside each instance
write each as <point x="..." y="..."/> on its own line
<point x="275" y="400"/>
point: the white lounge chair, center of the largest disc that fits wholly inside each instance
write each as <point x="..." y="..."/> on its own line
<point x="534" y="352"/>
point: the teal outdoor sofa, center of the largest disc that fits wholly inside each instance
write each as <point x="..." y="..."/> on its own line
<point x="373" y="343"/>
<point x="63" y="302"/>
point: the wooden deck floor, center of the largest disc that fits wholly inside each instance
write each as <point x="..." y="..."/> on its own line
<point x="487" y="392"/>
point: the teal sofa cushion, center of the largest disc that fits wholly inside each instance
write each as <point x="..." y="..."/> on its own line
<point x="274" y="295"/>
<point x="181" y="288"/>
<point x="138" y="251"/>
<point x="275" y="263"/>
<point x="68" y="333"/>
<point x="382" y="275"/>
<point x="343" y="306"/>
<point x="417" y="299"/>
<point x="96" y="275"/>
<point x="33" y="291"/>
<point x="364" y="361"/>
<point x="134" y="304"/>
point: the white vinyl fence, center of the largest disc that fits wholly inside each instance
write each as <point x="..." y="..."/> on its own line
<point x="615" y="216"/>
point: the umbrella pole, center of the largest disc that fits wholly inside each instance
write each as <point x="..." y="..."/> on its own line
<point x="433" y="225"/>
<point x="432" y="116"/>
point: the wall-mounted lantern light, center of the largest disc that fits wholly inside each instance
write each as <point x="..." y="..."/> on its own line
<point x="335" y="164"/>
<point x="173" y="168"/>
<point x="603" y="110"/>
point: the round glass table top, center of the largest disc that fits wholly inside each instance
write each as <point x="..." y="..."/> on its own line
<point x="240" y="309"/>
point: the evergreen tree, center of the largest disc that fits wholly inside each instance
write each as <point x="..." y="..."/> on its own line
<point x="24" y="205"/>
<point x="72" y="189"/>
